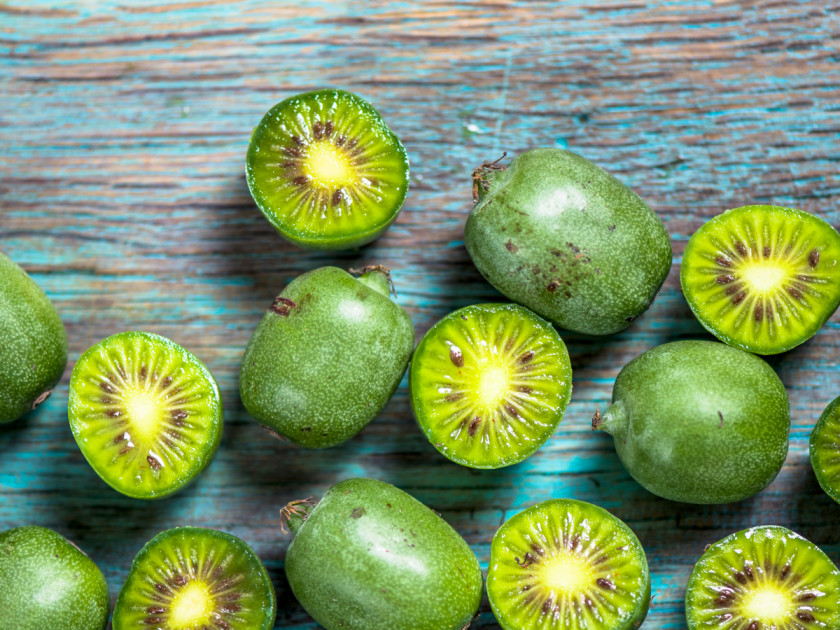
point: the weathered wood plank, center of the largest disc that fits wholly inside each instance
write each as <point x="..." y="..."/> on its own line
<point x="123" y="128"/>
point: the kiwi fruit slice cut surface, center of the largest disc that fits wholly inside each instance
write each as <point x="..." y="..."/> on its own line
<point x="48" y="583"/>
<point x="764" y="578"/>
<point x="145" y="412"/>
<point x="763" y="278"/>
<point x="190" y="578"/>
<point x="825" y="450"/>
<point x="566" y="564"/>
<point x="326" y="171"/>
<point x="490" y="384"/>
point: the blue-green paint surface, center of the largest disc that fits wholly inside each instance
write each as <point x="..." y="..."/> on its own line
<point x="123" y="130"/>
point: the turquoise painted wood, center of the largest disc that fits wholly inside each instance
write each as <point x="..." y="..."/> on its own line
<point x="123" y="129"/>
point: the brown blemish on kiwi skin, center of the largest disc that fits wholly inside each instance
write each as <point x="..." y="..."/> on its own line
<point x="358" y="512"/>
<point x="511" y="247"/>
<point x="720" y="415"/>
<point x="282" y="306"/>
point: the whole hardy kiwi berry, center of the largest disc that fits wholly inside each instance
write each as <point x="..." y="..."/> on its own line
<point x="47" y="583"/>
<point x="699" y="422"/>
<point x="558" y="234"/>
<point x="370" y="556"/>
<point x="33" y="343"/>
<point x="326" y="357"/>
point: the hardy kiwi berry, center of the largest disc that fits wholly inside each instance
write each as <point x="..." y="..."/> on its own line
<point x="327" y="356"/>
<point x="145" y="412"/>
<point x="558" y="234"/>
<point x="763" y="278"/>
<point x="33" y="343"/>
<point x="47" y="583"/>
<point x="699" y="422"/>
<point x="490" y="384"/>
<point x="326" y="171"/>
<point x="764" y="578"/>
<point x="190" y="578"/>
<point x="825" y="450"/>
<point x="368" y="556"/>
<point x="567" y="565"/>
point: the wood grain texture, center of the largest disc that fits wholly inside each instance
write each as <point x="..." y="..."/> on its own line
<point x="123" y="129"/>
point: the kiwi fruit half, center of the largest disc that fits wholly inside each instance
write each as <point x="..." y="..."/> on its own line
<point x="566" y="564"/>
<point x="825" y="450"/>
<point x="764" y="578"/>
<point x="763" y="278"/>
<point x="490" y="384"/>
<point x="190" y="578"/>
<point x="145" y="412"/>
<point x="326" y="170"/>
<point x="48" y="583"/>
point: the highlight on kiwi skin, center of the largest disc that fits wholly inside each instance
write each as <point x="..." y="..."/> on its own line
<point x="145" y="412"/>
<point x="190" y="578"/>
<point x="490" y="384"/>
<point x="567" y="565"/>
<point x="764" y="578"/>
<point x="763" y="278"/>
<point x="825" y="450"/>
<point x="326" y="170"/>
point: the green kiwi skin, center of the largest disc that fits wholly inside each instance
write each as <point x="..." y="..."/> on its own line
<point x="257" y="572"/>
<point x="694" y="587"/>
<point x="699" y="422"/>
<point x="326" y="357"/>
<point x="429" y="580"/>
<point x="336" y="243"/>
<point x="825" y="442"/>
<point x="33" y="352"/>
<point x="213" y="439"/>
<point x="785" y="214"/>
<point x="595" y="513"/>
<point x="561" y="236"/>
<point x="35" y="560"/>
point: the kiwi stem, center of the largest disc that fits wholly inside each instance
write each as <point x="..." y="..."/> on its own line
<point x="482" y="175"/>
<point x="613" y="420"/>
<point x="294" y="514"/>
<point x="377" y="278"/>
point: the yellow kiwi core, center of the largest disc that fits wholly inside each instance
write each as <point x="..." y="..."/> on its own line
<point x="143" y="410"/>
<point x="766" y="277"/>
<point x="191" y="606"/>
<point x="768" y="604"/>
<point x="328" y="166"/>
<point x="566" y="574"/>
<point x="494" y="383"/>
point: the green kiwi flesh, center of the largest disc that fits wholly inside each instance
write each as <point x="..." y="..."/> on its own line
<point x="764" y="578"/>
<point x="326" y="170"/>
<point x="763" y="278"/>
<point x="145" y="412"/>
<point x="825" y="450"/>
<point x="190" y="578"/>
<point x="48" y="583"/>
<point x="567" y="565"/>
<point x="490" y="384"/>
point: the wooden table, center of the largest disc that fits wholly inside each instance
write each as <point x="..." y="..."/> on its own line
<point x="123" y="129"/>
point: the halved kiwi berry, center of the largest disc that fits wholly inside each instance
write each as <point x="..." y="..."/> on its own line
<point x="763" y="278"/>
<point x="825" y="450"/>
<point x="146" y="413"/>
<point x="326" y="171"/>
<point x="565" y="564"/>
<point x="490" y="384"/>
<point x="764" y="578"/>
<point x="190" y="578"/>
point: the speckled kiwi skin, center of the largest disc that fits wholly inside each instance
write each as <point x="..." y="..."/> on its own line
<point x="563" y="237"/>
<point x="33" y="343"/>
<point x="320" y="372"/>
<point x="700" y="422"/>
<point x="371" y="557"/>
<point x="47" y="583"/>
